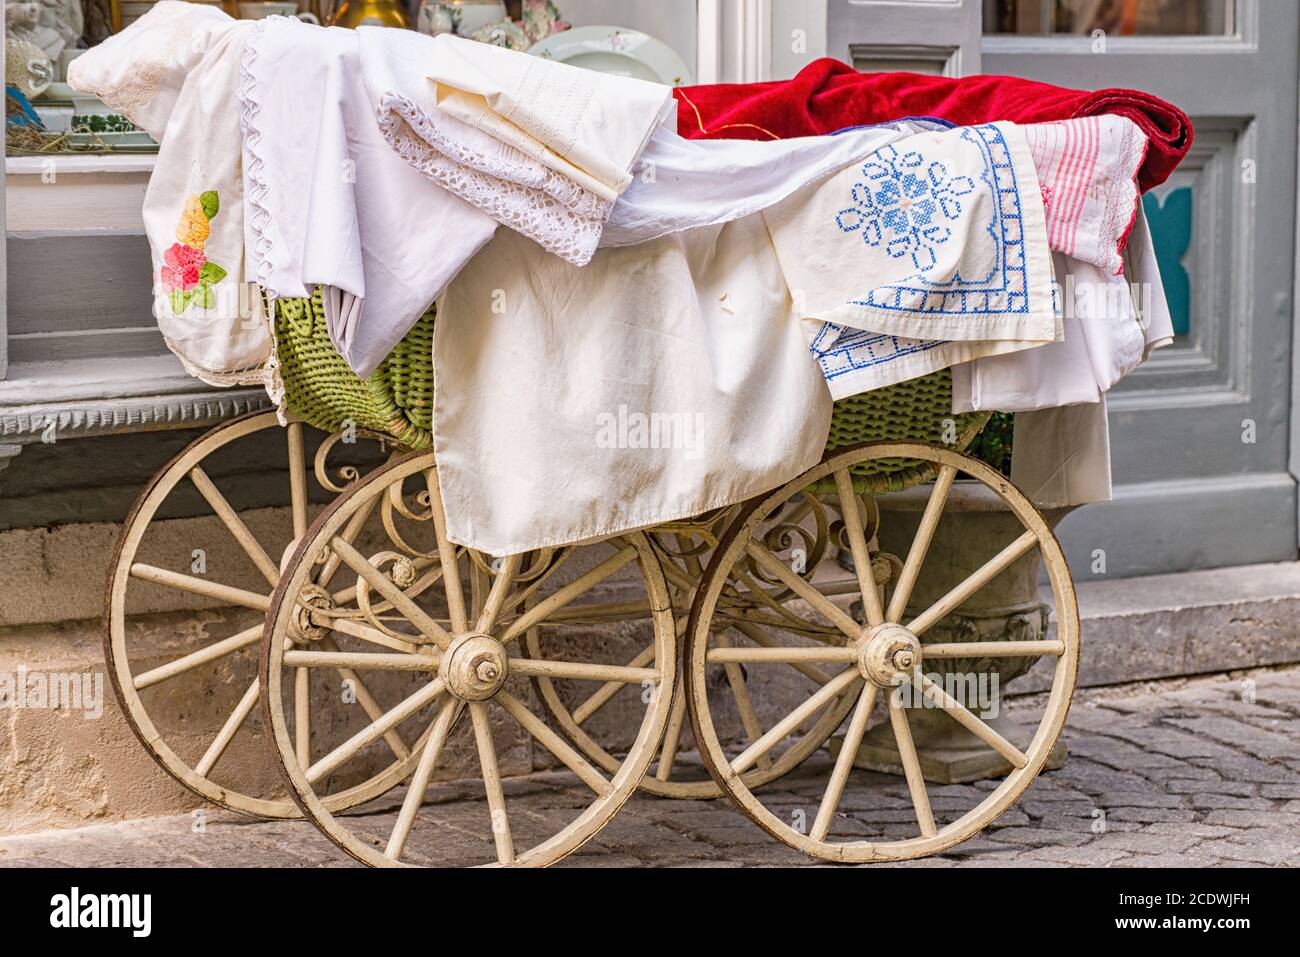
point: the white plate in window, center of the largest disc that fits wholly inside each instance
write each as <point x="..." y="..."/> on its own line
<point x="616" y="50"/>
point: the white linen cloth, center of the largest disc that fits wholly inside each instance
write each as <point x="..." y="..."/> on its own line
<point x="683" y="184"/>
<point x="173" y="73"/>
<point x="543" y="147"/>
<point x="332" y="204"/>
<point x="556" y="384"/>
<point x="1062" y="445"/>
<point x="660" y="381"/>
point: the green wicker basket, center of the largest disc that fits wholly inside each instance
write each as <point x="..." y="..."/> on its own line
<point x="397" y="400"/>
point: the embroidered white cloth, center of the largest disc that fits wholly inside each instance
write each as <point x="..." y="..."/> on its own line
<point x="931" y="252"/>
<point x="330" y="203"/>
<point x="173" y="73"/>
<point x="543" y="147"/>
<point x="673" y="376"/>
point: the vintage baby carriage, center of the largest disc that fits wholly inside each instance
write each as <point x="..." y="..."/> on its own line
<point x="377" y="636"/>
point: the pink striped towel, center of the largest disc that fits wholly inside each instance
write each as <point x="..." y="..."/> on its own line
<point x="1087" y="169"/>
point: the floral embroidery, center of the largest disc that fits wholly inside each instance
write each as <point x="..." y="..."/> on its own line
<point x="902" y="198"/>
<point x="187" y="276"/>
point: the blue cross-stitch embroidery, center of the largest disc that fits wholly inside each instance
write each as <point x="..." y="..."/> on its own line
<point x="904" y="196"/>
<point x="1004" y="289"/>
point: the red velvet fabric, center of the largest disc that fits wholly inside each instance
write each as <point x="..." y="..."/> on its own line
<point x="827" y="96"/>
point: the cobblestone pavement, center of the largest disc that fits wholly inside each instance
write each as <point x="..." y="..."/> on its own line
<point x="1200" y="772"/>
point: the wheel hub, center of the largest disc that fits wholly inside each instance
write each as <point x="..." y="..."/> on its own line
<point x="302" y="629"/>
<point x="888" y="655"/>
<point x="474" y="667"/>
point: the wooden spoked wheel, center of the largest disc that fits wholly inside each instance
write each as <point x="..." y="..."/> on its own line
<point x="446" y="637"/>
<point x="683" y="552"/>
<point x="223" y="564"/>
<point x="882" y="661"/>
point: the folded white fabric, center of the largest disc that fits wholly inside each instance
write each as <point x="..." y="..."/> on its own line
<point x="543" y="147"/>
<point x="1112" y="323"/>
<point x="685" y="184"/>
<point x="331" y="203"/>
<point x="172" y="72"/>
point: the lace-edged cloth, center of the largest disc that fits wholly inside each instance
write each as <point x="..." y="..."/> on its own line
<point x="563" y="218"/>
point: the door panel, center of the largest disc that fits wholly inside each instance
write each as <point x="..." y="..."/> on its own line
<point x="1200" y="433"/>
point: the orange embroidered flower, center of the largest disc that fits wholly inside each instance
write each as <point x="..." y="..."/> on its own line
<point x="194" y="228"/>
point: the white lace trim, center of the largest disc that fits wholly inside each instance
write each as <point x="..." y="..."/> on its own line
<point x="536" y="202"/>
<point x="256" y="212"/>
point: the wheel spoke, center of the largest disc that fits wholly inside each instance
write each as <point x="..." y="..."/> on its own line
<point x="844" y="763"/>
<point x="562" y="596"/>
<point x="993" y="649"/>
<point x="366" y="661"/>
<point x="921" y="543"/>
<point x="582" y="671"/>
<point x="420" y="780"/>
<point x="744" y="703"/>
<point x="760" y="637"/>
<point x="977" y="580"/>
<point x="497" y="596"/>
<point x="820" y="603"/>
<point x="226" y="594"/>
<point x="227" y="733"/>
<point x="610" y="688"/>
<point x="786" y="725"/>
<point x="911" y="765"/>
<point x="971" y="722"/>
<point x="385" y="586"/>
<point x="368" y="704"/>
<point x="369" y="633"/>
<point x="781" y="655"/>
<point x="858" y="546"/>
<point x="349" y="534"/>
<point x="673" y="736"/>
<point x="574" y="761"/>
<point x="487" y="759"/>
<point x="297" y="480"/>
<point x="235" y="525"/>
<point x="375" y="729"/>
<point x="447" y="555"/>
<point x="302" y="716"/>
<point x="249" y="636"/>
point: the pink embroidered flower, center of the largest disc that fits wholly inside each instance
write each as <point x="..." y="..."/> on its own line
<point x="182" y="267"/>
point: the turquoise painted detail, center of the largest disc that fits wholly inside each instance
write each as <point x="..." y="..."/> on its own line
<point x="1170" y="220"/>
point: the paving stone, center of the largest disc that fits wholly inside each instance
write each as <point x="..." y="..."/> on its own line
<point x="1185" y="773"/>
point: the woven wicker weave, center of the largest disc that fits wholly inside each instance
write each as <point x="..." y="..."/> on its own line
<point x="918" y="410"/>
<point x="397" y="400"/>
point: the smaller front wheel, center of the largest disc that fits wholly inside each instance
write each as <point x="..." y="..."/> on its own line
<point x="800" y="626"/>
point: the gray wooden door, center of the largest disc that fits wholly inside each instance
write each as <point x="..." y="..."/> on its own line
<point x="1199" y="434"/>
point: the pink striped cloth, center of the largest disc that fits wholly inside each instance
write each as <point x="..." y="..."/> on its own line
<point x="1087" y="170"/>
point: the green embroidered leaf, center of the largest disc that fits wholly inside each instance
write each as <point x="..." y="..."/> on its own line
<point x="205" y="298"/>
<point x="180" y="299"/>
<point x="210" y="203"/>
<point x="211" y="273"/>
